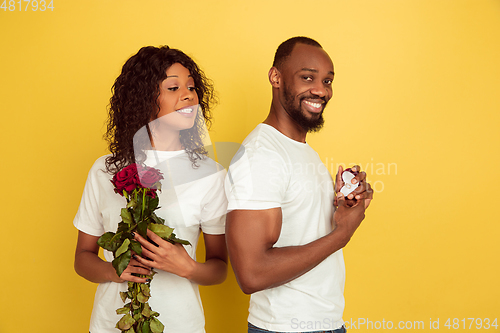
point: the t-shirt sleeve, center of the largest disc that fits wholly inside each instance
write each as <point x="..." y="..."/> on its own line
<point x="213" y="214"/>
<point x="256" y="180"/>
<point x="88" y="219"/>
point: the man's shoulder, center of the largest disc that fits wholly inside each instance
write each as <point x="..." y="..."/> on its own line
<point x="263" y="136"/>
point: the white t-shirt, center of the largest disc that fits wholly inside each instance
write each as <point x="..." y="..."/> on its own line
<point x="271" y="170"/>
<point x="192" y="199"/>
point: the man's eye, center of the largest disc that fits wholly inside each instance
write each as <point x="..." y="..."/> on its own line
<point x="328" y="82"/>
<point x="173" y="88"/>
<point x="307" y="78"/>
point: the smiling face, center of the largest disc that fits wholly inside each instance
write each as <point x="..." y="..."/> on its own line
<point x="178" y="100"/>
<point x="307" y="76"/>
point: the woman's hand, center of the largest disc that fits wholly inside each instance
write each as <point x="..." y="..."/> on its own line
<point x="89" y="265"/>
<point x="134" y="267"/>
<point x="174" y="258"/>
<point x="166" y="256"/>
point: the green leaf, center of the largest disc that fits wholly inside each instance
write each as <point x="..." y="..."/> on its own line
<point x="125" y="323"/>
<point x="146" y="312"/>
<point x="126" y="216"/>
<point x="122" y="227"/>
<point x="123" y="248"/>
<point x="156" y="326"/>
<point x="105" y="240"/>
<point x="161" y="230"/>
<point x="131" y="330"/>
<point x="145" y="327"/>
<point x="142" y="228"/>
<point x="138" y="316"/>
<point x="120" y="263"/>
<point x="136" y="247"/>
<point x="152" y="203"/>
<point x="123" y="295"/>
<point x="137" y="211"/>
<point x="157" y="219"/>
<point x="123" y="310"/>
<point x="181" y="241"/>
<point x="116" y="242"/>
<point x="145" y="290"/>
<point x="142" y="298"/>
<point x="131" y="204"/>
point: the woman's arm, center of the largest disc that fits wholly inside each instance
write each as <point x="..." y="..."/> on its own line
<point x="174" y="258"/>
<point x="89" y="266"/>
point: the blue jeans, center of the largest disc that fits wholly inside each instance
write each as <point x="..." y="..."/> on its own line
<point x="255" y="329"/>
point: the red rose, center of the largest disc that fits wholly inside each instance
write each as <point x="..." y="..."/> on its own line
<point x="149" y="177"/>
<point x="151" y="193"/>
<point x="126" y="179"/>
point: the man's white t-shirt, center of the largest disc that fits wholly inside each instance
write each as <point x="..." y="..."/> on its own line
<point x="271" y="170"/>
<point x="192" y="199"/>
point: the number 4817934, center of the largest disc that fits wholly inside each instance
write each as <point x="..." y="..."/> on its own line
<point x="35" y="5"/>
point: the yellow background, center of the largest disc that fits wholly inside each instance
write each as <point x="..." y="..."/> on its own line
<point x="418" y="80"/>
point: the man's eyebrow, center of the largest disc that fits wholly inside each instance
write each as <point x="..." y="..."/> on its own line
<point x="312" y="70"/>
<point x="305" y="69"/>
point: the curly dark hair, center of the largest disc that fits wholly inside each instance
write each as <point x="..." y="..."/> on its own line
<point x="135" y="102"/>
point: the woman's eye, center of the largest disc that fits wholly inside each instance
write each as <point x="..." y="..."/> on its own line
<point x="191" y="88"/>
<point x="173" y="88"/>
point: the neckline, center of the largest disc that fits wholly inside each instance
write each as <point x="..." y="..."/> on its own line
<point x="284" y="136"/>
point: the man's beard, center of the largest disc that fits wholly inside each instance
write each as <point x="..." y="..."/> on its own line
<point x="308" y="124"/>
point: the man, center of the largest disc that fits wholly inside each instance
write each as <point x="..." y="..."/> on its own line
<point x="283" y="232"/>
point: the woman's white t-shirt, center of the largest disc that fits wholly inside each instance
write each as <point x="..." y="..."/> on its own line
<point x="191" y="200"/>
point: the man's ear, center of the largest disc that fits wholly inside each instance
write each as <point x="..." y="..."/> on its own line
<point x="274" y="77"/>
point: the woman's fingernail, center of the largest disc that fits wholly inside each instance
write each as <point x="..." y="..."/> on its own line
<point x="133" y="234"/>
<point x="148" y="280"/>
<point x="134" y="256"/>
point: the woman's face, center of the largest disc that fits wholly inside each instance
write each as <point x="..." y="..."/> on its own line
<point x="178" y="100"/>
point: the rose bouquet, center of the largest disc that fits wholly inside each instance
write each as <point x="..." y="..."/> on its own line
<point x="138" y="184"/>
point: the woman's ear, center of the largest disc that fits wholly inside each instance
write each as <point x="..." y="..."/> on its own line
<point x="274" y="77"/>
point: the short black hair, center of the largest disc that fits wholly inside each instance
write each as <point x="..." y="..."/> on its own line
<point x="285" y="48"/>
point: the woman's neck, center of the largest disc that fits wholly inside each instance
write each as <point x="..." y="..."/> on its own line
<point x="166" y="140"/>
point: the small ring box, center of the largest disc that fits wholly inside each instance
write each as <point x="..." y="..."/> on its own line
<point x="348" y="187"/>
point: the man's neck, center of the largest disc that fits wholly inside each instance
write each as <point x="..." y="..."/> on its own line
<point x="285" y="124"/>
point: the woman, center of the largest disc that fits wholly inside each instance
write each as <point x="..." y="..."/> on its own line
<point x="160" y="104"/>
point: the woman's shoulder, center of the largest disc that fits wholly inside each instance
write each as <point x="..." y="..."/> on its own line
<point x="100" y="163"/>
<point x="98" y="169"/>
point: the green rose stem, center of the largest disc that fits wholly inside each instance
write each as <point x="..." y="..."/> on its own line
<point x="138" y="315"/>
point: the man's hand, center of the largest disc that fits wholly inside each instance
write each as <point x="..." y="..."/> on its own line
<point x="347" y="219"/>
<point x="350" y="210"/>
<point x="362" y="192"/>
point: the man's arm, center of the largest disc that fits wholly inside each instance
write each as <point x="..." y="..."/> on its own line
<point x="258" y="265"/>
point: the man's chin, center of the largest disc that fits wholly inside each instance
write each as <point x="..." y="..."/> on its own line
<point x="315" y="129"/>
<point x="313" y="125"/>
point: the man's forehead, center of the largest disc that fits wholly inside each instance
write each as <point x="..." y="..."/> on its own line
<point x="309" y="58"/>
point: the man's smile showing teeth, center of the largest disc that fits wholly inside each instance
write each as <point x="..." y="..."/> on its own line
<point x="313" y="107"/>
